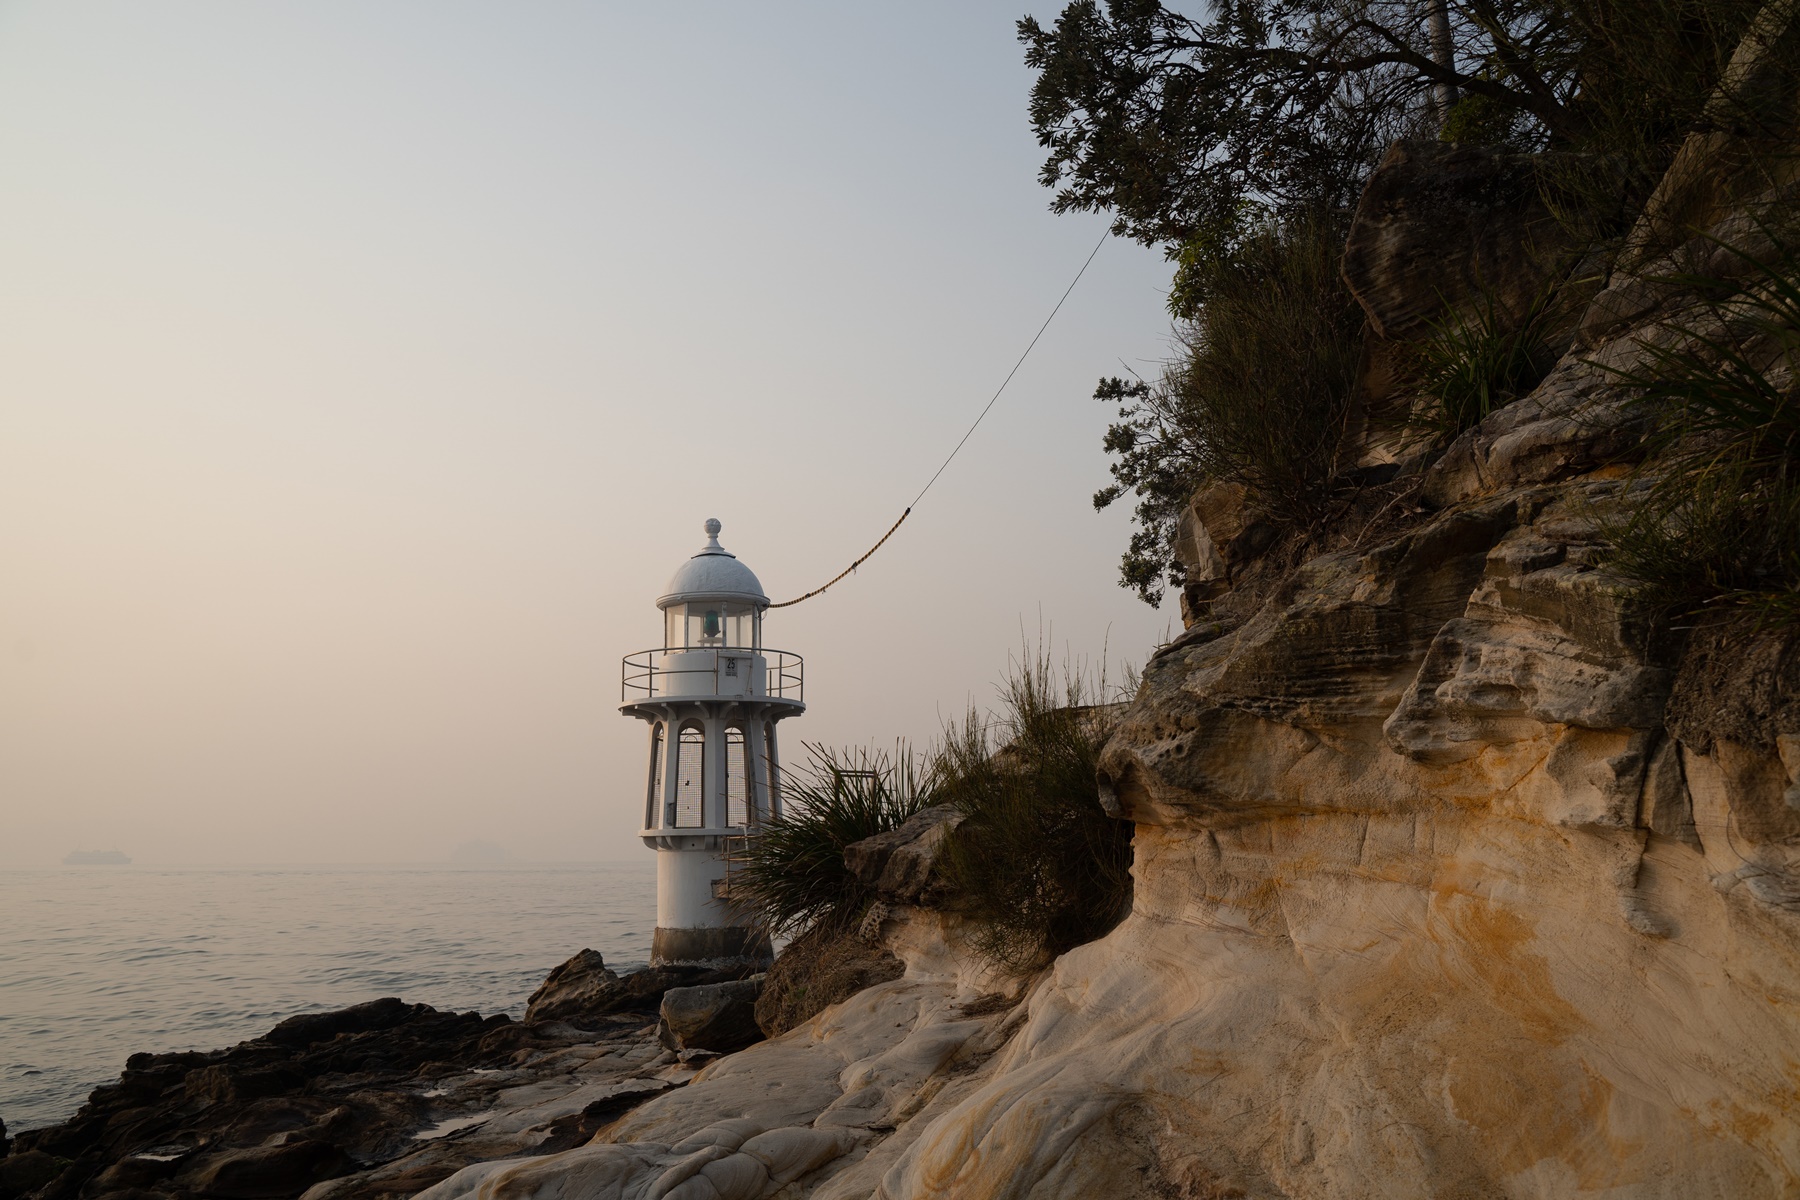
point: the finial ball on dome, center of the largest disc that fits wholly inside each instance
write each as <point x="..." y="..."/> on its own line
<point x="713" y="574"/>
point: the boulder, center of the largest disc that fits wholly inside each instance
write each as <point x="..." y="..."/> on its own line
<point x="720" y="1017"/>
<point x="1217" y="532"/>
<point x="271" y="1171"/>
<point x="900" y="863"/>
<point x="578" y="987"/>
<point x="308" y="1028"/>
<point x="822" y="966"/>
<point x="585" y="993"/>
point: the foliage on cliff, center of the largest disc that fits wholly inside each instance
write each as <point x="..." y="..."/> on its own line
<point x="1235" y="140"/>
<point x="1258" y="393"/>
<point x="1037" y="867"/>
<point x="1183" y="127"/>
<point x="1477" y="360"/>
<point x="1716" y="523"/>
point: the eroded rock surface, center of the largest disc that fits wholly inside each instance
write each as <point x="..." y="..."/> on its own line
<point x="827" y="1108"/>
<point x="1456" y="875"/>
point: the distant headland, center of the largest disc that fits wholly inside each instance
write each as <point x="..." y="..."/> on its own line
<point x="96" y="858"/>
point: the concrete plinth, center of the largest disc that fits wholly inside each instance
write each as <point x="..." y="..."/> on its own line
<point x="714" y="946"/>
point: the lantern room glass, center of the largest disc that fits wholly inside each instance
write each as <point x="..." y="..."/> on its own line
<point x="712" y="624"/>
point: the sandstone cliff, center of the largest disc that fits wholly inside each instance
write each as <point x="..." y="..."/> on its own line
<point x="1456" y="875"/>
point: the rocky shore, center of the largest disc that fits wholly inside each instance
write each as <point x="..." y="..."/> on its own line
<point x="652" y="1072"/>
<point x="385" y="1098"/>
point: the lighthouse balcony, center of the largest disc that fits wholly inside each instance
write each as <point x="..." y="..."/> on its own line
<point x="726" y="673"/>
<point x="672" y="838"/>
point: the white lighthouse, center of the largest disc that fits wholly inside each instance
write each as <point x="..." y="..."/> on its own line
<point x="712" y="695"/>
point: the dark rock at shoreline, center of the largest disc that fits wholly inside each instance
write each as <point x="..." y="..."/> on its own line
<point x="21" y="1174"/>
<point x="377" y="1100"/>
<point x="584" y="991"/>
<point x="720" y="1017"/>
<point x="822" y="966"/>
<point x="573" y="989"/>
<point x="308" y="1028"/>
<point x="272" y="1171"/>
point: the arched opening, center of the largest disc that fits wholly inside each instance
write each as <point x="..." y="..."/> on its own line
<point x="690" y="778"/>
<point x="737" y="777"/>
<point x="657" y="758"/>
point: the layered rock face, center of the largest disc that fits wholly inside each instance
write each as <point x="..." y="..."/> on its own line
<point x="1438" y="893"/>
<point x="1426" y="897"/>
<point x="1456" y="875"/>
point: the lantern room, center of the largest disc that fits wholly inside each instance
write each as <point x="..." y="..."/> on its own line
<point x="713" y="602"/>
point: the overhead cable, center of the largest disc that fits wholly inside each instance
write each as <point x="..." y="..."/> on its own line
<point x="966" y="436"/>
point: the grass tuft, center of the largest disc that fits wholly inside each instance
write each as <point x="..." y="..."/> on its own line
<point x="1716" y="515"/>
<point x="1037" y="867"/>
<point x="792" y="871"/>
<point x="1477" y="360"/>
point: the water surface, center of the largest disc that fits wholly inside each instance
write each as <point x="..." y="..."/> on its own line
<point x="97" y="963"/>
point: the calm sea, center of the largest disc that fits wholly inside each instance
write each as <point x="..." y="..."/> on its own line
<point x="97" y="963"/>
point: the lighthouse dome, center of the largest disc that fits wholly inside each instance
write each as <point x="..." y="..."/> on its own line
<point x="713" y="574"/>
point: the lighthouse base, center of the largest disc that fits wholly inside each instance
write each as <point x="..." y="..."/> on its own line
<point x="713" y="946"/>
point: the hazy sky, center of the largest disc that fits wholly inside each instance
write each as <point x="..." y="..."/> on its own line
<point x="367" y="368"/>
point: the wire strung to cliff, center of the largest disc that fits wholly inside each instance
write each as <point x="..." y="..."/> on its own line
<point x="965" y="437"/>
<point x="859" y="562"/>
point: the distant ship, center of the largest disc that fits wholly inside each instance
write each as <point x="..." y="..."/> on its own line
<point x="95" y="858"/>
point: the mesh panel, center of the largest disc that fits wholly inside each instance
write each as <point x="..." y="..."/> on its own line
<point x="690" y="779"/>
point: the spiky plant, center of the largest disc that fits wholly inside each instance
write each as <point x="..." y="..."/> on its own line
<point x="792" y="870"/>
<point x="1477" y="360"/>
<point x="1037" y="866"/>
<point x="1715" y="518"/>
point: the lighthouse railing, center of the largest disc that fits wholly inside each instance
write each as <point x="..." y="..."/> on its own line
<point x="702" y="674"/>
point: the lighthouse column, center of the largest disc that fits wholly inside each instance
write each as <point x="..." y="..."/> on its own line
<point x="715" y="817"/>
<point x="755" y="783"/>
